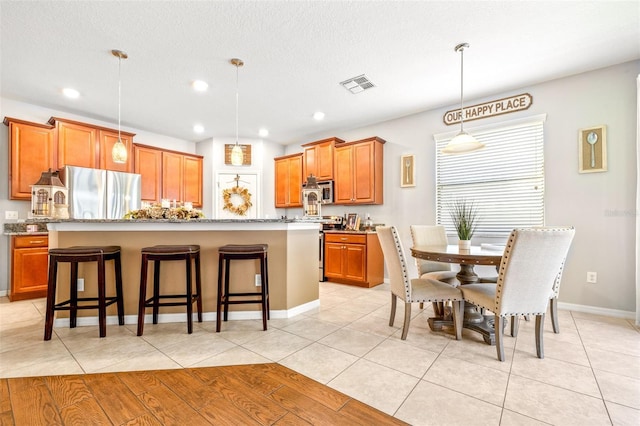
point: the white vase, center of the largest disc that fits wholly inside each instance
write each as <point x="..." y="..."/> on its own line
<point x="464" y="244"/>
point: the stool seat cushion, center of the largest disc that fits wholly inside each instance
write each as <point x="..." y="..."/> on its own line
<point x="171" y="249"/>
<point x="85" y="250"/>
<point x="243" y="248"/>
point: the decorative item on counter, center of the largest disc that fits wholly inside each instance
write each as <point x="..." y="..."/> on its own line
<point x="237" y="199"/>
<point x="47" y="193"/>
<point x="157" y="211"/>
<point x="464" y="215"/>
<point x="368" y="224"/>
<point x="353" y="222"/>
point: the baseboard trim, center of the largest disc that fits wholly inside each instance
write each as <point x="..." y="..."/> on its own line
<point x="616" y="313"/>
<point x="181" y="317"/>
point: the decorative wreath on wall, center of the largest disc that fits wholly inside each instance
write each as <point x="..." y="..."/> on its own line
<point x="230" y="195"/>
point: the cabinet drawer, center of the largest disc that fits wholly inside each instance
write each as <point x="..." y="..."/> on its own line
<point x="31" y="241"/>
<point x="346" y="238"/>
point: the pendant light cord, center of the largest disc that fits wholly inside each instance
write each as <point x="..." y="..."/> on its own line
<point x="237" y="101"/>
<point x="119" y="95"/>
<point x="461" y="88"/>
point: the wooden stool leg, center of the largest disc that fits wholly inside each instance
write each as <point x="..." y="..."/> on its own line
<point x="219" y="296"/>
<point x="102" y="308"/>
<point x="156" y="289"/>
<point x="198" y="288"/>
<point x="226" y="287"/>
<point x="263" y="291"/>
<point x="73" y="294"/>
<point x="188" y="296"/>
<point x="120" y="299"/>
<point x="143" y="293"/>
<point x="51" y="297"/>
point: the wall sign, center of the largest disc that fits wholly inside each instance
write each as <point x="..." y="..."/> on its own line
<point x="489" y="109"/>
<point x="246" y="154"/>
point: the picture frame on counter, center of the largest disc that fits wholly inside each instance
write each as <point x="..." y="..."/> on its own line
<point x="353" y="222"/>
<point x="592" y="149"/>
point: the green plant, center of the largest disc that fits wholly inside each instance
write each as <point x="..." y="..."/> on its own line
<point x="464" y="215"/>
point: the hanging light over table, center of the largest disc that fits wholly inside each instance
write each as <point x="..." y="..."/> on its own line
<point x="463" y="141"/>
<point x="237" y="156"/>
<point x="119" y="150"/>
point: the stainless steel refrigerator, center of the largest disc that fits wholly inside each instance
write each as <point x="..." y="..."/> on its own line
<point x="101" y="194"/>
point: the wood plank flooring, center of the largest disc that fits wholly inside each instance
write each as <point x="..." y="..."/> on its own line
<point x="259" y="394"/>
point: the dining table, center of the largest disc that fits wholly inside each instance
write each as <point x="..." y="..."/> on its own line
<point x="486" y="255"/>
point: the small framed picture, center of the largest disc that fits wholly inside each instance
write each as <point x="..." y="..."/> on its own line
<point x="352" y="222"/>
<point x="592" y="149"/>
<point x="407" y="171"/>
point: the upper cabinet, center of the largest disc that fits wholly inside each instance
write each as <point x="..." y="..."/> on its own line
<point x="31" y="152"/>
<point x="358" y="170"/>
<point x="288" y="180"/>
<point x="168" y="174"/>
<point x="85" y="145"/>
<point x="318" y="159"/>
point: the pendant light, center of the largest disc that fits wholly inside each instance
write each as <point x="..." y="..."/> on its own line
<point x="237" y="157"/>
<point x="119" y="150"/>
<point x="463" y="142"/>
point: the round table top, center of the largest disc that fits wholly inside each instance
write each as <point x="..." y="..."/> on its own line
<point x="476" y="255"/>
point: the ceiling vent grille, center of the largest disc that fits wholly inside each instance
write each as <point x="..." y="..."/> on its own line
<point x="357" y="84"/>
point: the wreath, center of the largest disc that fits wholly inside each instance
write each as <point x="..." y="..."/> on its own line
<point x="235" y="192"/>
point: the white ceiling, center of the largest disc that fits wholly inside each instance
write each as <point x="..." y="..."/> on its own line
<point x="295" y="54"/>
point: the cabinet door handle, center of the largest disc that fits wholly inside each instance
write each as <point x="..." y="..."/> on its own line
<point x="343" y="239"/>
<point x="36" y="242"/>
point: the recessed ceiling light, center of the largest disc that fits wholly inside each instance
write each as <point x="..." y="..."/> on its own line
<point x="198" y="128"/>
<point x="263" y="133"/>
<point x="199" y="85"/>
<point x="71" y="93"/>
<point x="318" y="115"/>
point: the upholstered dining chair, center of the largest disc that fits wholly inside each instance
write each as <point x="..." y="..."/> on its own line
<point x="531" y="260"/>
<point x="433" y="235"/>
<point x="416" y="290"/>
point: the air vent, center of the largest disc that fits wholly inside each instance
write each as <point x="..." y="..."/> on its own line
<point x="357" y="84"/>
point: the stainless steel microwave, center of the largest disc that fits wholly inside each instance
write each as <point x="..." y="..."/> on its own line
<point x="326" y="187"/>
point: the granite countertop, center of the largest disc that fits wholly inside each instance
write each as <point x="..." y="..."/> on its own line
<point x="20" y="228"/>
<point x="344" y="231"/>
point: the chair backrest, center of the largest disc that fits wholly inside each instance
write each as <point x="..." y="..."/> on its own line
<point x="555" y="290"/>
<point x="395" y="260"/>
<point x="531" y="260"/>
<point x="429" y="235"/>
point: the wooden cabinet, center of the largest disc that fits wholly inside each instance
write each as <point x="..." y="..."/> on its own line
<point x="85" y="145"/>
<point x="31" y="152"/>
<point x="318" y="159"/>
<point x="353" y="258"/>
<point x="359" y="172"/>
<point x="29" y="263"/>
<point x="147" y="163"/>
<point x="288" y="181"/>
<point x="168" y="174"/>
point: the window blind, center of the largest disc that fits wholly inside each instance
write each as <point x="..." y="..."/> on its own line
<point x="505" y="180"/>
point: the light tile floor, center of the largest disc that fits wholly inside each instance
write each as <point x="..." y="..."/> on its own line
<point x="590" y="374"/>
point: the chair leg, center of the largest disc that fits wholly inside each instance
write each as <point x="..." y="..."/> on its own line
<point x="393" y="309"/>
<point x="219" y="296"/>
<point x="421" y="305"/>
<point x="189" y="289"/>
<point x="120" y="299"/>
<point x="553" y="309"/>
<point x="499" y="326"/>
<point x="73" y="294"/>
<point x="458" y="314"/>
<point x="198" y="288"/>
<point x="102" y="306"/>
<point x="407" y="320"/>
<point x="51" y="298"/>
<point x="539" y="332"/>
<point x="143" y="293"/>
<point x="515" y="322"/>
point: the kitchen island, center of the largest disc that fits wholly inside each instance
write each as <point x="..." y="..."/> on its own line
<point x="293" y="262"/>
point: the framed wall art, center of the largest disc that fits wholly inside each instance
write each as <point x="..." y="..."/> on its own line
<point x="592" y="149"/>
<point x="353" y="222"/>
<point x="407" y="171"/>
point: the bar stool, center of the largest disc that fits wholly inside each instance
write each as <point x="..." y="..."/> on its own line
<point x="242" y="251"/>
<point x="157" y="254"/>
<point x="75" y="255"/>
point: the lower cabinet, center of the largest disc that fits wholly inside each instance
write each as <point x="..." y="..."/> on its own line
<point x="29" y="266"/>
<point x="353" y="258"/>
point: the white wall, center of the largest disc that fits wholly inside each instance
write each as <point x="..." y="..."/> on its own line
<point x="600" y="205"/>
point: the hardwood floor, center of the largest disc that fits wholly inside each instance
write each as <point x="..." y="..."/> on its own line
<point x="258" y="394"/>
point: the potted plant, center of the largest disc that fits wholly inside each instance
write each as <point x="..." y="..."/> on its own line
<point x="464" y="215"/>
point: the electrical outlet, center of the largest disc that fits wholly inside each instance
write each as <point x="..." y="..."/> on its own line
<point x="592" y="277"/>
<point x="11" y="214"/>
<point x="80" y="284"/>
<point x="258" y="280"/>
